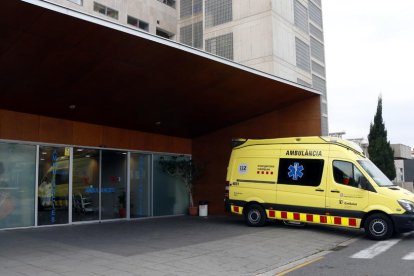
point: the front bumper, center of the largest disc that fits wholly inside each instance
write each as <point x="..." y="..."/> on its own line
<point x="403" y="223"/>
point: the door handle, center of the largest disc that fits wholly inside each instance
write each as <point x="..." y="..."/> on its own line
<point x="335" y="191"/>
<point x="319" y="190"/>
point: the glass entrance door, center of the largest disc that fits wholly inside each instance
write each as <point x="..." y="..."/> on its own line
<point x="140" y="185"/>
<point x="113" y="184"/>
<point x="85" y="191"/>
<point x="53" y="190"/>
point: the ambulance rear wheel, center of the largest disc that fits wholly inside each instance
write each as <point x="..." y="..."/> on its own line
<point x="378" y="227"/>
<point x="255" y="215"/>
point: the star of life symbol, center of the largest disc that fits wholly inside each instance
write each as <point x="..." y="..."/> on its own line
<point x="295" y="171"/>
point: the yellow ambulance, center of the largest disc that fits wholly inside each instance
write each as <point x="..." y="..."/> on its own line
<point x="320" y="180"/>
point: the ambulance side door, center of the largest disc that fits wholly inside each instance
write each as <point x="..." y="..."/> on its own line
<point x="301" y="184"/>
<point x="346" y="199"/>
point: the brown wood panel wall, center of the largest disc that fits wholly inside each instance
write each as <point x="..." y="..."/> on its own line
<point x="35" y="128"/>
<point x="300" y="119"/>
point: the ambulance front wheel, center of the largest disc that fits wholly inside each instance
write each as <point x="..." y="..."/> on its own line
<point x="378" y="227"/>
<point x="255" y="215"/>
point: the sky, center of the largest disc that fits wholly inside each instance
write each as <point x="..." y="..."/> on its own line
<point x="369" y="51"/>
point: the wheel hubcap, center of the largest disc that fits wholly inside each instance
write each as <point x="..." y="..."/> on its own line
<point x="254" y="216"/>
<point x="378" y="227"/>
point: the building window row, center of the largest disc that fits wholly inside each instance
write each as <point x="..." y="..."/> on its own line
<point x="138" y="23"/>
<point x="304" y="83"/>
<point x="301" y="16"/>
<point x="315" y="14"/>
<point x="79" y="2"/>
<point x="319" y="84"/>
<point x="316" y="32"/>
<point x="163" y="33"/>
<point x="317" y="49"/>
<point x="302" y="55"/>
<point x="317" y="68"/>
<point x="317" y="2"/>
<point x="102" y="9"/>
<point x="221" y="46"/>
<point x="218" y="12"/>
<point x="170" y="3"/>
<point x="190" y="7"/>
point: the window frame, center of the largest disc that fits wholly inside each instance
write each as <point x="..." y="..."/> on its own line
<point x="317" y="179"/>
<point x="105" y="10"/>
<point x="352" y="183"/>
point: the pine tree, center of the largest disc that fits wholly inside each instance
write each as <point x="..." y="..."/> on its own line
<point x="379" y="149"/>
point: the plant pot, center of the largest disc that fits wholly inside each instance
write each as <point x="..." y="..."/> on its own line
<point x="122" y="212"/>
<point x="193" y="211"/>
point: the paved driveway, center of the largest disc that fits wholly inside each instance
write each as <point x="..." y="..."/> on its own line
<point x="164" y="246"/>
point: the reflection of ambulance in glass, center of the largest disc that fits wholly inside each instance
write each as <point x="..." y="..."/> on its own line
<point x="54" y="184"/>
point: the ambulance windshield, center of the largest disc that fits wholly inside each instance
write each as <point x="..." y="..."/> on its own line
<point x="376" y="174"/>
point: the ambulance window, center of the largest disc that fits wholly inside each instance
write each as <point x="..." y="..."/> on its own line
<point x="346" y="173"/>
<point x="304" y="172"/>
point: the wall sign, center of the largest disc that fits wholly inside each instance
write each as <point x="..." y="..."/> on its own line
<point x="243" y="168"/>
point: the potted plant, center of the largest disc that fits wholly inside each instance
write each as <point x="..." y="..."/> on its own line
<point x="187" y="169"/>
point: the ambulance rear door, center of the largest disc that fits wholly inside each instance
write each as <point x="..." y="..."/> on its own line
<point x="254" y="179"/>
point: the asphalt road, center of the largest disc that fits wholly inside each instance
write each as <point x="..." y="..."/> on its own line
<point x="364" y="257"/>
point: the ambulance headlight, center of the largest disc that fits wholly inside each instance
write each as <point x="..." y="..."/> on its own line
<point x="407" y="205"/>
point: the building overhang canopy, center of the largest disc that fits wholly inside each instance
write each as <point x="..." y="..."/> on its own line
<point x="65" y="64"/>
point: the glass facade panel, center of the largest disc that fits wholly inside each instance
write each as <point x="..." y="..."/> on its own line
<point x="97" y="181"/>
<point x="186" y="35"/>
<point x="302" y="82"/>
<point x="316" y="32"/>
<point x="186" y="8"/>
<point x="221" y="45"/>
<point x="113" y="187"/>
<point x="140" y="187"/>
<point x="198" y="35"/>
<point x="317" y="49"/>
<point x="302" y="55"/>
<point x="315" y="14"/>
<point x="319" y="84"/>
<point x="85" y="191"/>
<point x="218" y="12"/>
<point x="301" y="16"/>
<point x="169" y="194"/>
<point x="197" y="6"/>
<point x="317" y="68"/>
<point x="53" y="194"/>
<point x="17" y="185"/>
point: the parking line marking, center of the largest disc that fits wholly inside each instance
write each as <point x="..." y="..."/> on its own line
<point x="298" y="266"/>
<point x="409" y="256"/>
<point x="376" y="249"/>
